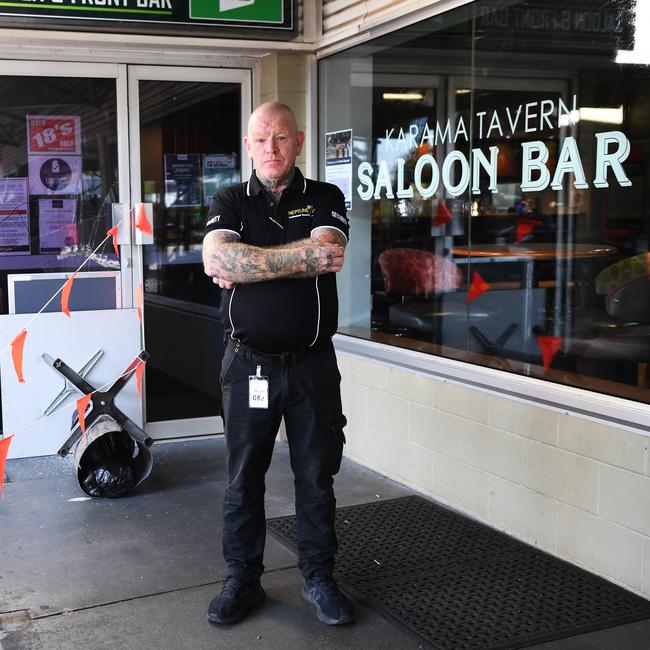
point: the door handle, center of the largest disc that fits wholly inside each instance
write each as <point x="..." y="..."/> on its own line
<point x="121" y="220"/>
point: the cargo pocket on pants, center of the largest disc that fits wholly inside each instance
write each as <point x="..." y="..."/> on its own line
<point x="336" y="444"/>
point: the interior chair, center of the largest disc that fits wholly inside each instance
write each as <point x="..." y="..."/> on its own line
<point x="620" y="272"/>
<point x="587" y="320"/>
<point x="414" y="272"/>
<point x="414" y="278"/>
<point x="627" y="337"/>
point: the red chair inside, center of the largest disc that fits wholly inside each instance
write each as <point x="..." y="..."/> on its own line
<point x="410" y="271"/>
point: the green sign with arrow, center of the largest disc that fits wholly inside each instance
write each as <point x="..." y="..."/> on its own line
<point x="260" y="11"/>
<point x="266" y="14"/>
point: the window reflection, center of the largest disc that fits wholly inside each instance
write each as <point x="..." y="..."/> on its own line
<point x="501" y="210"/>
<point x="187" y="155"/>
<point x="58" y="178"/>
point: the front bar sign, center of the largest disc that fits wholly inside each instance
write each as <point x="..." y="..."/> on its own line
<point x="267" y="14"/>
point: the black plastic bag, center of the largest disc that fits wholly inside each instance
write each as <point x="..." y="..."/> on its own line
<point x="109" y="462"/>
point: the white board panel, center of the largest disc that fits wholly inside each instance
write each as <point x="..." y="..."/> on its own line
<point x="74" y="340"/>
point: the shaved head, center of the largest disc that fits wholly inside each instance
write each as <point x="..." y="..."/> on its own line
<point x="273" y="141"/>
<point x="270" y="112"/>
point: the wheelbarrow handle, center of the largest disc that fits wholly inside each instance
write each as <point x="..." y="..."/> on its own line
<point x="72" y="440"/>
<point x="131" y="427"/>
<point x="73" y="377"/>
<point x="121" y="381"/>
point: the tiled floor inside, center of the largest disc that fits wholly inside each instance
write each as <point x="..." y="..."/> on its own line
<point x="139" y="572"/>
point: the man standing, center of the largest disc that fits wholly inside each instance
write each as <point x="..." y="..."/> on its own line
<point x="274" y="244"/>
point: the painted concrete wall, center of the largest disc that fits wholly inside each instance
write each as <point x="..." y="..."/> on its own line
<point x="571" y="486"/>
<point x="284" y="79"/>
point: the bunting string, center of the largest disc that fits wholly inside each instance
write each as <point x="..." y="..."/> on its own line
<point x="17" y="346"/>
<point x="17" y="343"/>
<point x="64" y="407"/>
<point x="60" y="289"/>
<point x="478" y="287"/>
<point x="139" y="372"/>
<point x="4" y="450"/>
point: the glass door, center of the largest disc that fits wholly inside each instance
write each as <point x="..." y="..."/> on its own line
<point x="63" y="166"/>
<point x="186" y="128"/>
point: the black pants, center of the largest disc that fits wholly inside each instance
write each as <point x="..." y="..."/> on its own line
<point x="305" y="389"/>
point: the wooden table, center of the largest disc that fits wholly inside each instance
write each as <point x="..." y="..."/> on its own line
<point x="528" y="254"/>
<point x="540" y="251"/>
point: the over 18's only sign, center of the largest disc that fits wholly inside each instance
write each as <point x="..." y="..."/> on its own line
<point x="54" y="134"/>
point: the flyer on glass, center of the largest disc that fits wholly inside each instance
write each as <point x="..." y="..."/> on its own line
<point x="54" y="174"/>
<point x="182" y="180"/>
<point x="219" y="170"/>
<point x="57" y="223"/>
<point x="14" y="216"/>
<point x="338" y="162"/>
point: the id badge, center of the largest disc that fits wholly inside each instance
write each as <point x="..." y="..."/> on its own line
<point x="258" y="390"/>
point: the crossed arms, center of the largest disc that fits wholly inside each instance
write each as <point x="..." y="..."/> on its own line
<point x="229" y="262"/>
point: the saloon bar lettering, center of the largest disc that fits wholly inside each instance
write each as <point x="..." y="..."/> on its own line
<point x="458" y="171"/>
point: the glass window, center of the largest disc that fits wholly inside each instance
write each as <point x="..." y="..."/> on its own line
<point x="499" y="189"/>
<point x="58" y="180"/>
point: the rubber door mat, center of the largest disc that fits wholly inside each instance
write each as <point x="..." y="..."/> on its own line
<point x="462" y="585"/>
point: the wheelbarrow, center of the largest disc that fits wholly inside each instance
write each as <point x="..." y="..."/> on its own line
<point x="112" y="457"/>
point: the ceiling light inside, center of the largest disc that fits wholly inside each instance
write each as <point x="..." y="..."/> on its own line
<point x="407" y="97"/>
<point x="604" y="115"/>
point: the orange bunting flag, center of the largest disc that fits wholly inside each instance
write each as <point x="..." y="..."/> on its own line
<point x="4" y="450"/>
<point x="65" y="295"/>
<point x="443" y="215"/>
<point x="479" y="286"/>
<point x="141" y="222"/>
<point x="113" y="233"/>
<point x="139" y="372"/>
<point x="17" y="347"/>
<point x="140" y="301"/>
<point x="525" y="227"/>
<point x="82" y="405"/>
<point x="549" y="346"/>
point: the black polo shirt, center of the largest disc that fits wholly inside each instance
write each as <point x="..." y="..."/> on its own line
<point x="286" y="314"/>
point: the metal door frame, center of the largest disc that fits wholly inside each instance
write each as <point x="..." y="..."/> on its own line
<point x="194" y="426"/>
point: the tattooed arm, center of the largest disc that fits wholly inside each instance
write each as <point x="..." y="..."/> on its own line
<point x="229" y="262"/>
<point x="326" y="237"/>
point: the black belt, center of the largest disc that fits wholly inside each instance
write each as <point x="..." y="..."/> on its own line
<point x="283" y="359"/>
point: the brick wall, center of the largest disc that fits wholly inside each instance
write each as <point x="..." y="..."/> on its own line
<point x="574" y="487"/>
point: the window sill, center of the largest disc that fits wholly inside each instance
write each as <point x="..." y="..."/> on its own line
<point x="632" y="412"/>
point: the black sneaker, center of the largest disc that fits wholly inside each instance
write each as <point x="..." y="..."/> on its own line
<point x="236" y="599"/>
<point x="331" y="605"/>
